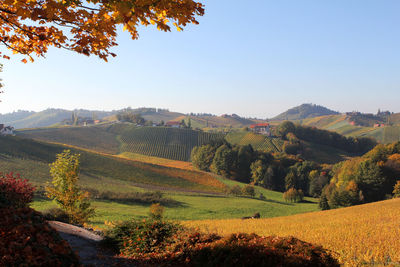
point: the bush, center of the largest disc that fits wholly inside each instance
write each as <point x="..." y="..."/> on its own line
<point x="156" y="211"/>
<point x="141" y="238"/>
<point x="396" y="190"/>
<point x="253" y="250"/>
<point x="14" y="191"/>
<point x="293" y="195"/>
<point x="248" y="190"/>
<point x="235" y="190"/>
<point x="56" y="214"/>
<point x="192" y="248"/>
<point x="27" y="240"/>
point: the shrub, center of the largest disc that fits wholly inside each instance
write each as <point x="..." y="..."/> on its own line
<point x="56" y="214"/>
<point x="396" y="190"/>
<point x="156" y="211"/>
<point x="235" y="190"/>
<point x="141" y="238"/>
<point x="27" y="240"/>
<point x="248" y="190"/>
<point x="14" y="191"/>
<point x="253" y="250"/>
<point x="293" y="195"/>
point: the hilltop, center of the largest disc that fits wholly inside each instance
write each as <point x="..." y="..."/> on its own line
<point x="304" y="111"/>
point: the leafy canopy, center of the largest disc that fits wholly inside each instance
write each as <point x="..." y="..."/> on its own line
<point x="87" y="27"/>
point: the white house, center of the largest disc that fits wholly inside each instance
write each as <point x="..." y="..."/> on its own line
<point x="8" y="130"/>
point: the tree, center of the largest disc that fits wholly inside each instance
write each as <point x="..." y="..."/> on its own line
<point x="87" y="27"/>
<point x="65" y="190"/>
<point x="285" y="128"/>
<point x="223" y="161"/>
<point x="202" y="157"/>
<point x="396" y="190"/>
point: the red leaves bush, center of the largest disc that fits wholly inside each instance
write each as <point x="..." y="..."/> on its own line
<point x="14" y="191"/>
<point x="27" y="240"/>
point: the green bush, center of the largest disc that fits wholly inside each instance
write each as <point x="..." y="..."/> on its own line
<point x="138" y="238"/>
<point x="249" y="190"/>
<point x="235" y="190"/>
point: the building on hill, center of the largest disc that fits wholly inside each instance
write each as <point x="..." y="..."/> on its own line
<point x="173" y="124"/>
<point x="261" y="128"/>
<point x="7" y="130"/>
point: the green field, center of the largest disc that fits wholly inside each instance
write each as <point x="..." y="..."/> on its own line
<point x="170" y="143"/>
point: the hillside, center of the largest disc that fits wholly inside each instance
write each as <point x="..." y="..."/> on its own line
<point x="125" y="188"/>
<point x="170" y="143"/>
<point x="313" y="151"/>
<point x="100" y="172"/>
<point x="304" y="111"/>
<point x="364" y="235"/>
<point x="343" y="124"/>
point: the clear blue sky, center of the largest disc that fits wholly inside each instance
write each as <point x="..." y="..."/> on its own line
<point x="254" y="58"/>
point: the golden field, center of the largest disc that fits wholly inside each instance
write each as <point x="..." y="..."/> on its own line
<point x="361" y="235"/>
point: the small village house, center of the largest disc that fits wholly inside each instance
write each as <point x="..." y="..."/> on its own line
<point x="173" y="124"/>
<point x="261" y="128"/>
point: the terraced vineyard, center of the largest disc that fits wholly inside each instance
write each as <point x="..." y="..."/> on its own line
<point x="170" y="143"/>
<point x="257" y="141"/>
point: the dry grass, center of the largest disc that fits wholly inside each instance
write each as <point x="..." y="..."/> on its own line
<point x="366" y="234"/>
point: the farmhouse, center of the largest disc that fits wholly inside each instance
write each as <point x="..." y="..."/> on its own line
<point x="173" y="124"/>
<point x="8" y="130"/>
<point x="261" y="128"/>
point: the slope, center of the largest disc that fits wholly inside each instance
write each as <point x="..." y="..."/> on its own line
<point x="360" y="235"/>
<point x="31" y="158"/>
<point x="164" y="142"/>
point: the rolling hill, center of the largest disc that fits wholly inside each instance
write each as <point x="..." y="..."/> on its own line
<point x="164" y="142"/>
<point x="343" y="124"/>
<point x="30" y="158"/>
<point x="304" y="111"/>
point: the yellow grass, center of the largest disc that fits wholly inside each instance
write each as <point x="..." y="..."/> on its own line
<point x="366" y="234"/>
<point x="158" y="161"/>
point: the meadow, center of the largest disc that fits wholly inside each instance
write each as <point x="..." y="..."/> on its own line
<point x="361" y="235"/>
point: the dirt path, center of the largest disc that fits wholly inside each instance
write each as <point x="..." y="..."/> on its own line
<point x="86" y="244"/>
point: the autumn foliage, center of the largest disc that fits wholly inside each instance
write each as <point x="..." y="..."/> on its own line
<point x="14" y="191"/>
<point x="87" y="27"/>
<point x="27" y="240"/>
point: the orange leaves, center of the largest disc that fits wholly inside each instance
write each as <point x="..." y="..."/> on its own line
<point x="86" y="27"/>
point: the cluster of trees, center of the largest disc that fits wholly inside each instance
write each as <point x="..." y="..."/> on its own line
<point x="129" y="116"/>
<point x="277" y="172"/>
<point x="364" y="179"/>
<point x="324" y="137"/>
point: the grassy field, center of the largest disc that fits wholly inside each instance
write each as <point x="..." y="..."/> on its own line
<point x="361" y="235"/>
<point x="194" y="206"/>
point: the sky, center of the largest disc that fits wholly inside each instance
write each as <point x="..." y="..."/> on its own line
<point x="253" y="58"/>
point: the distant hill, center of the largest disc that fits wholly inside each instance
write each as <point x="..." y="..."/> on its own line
<point x="305" y="111"/>
<point x="48" y="117"/>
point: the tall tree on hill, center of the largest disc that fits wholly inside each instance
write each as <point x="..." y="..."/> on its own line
<point x="87" y="27"/>
<point x="223" y="161"/>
